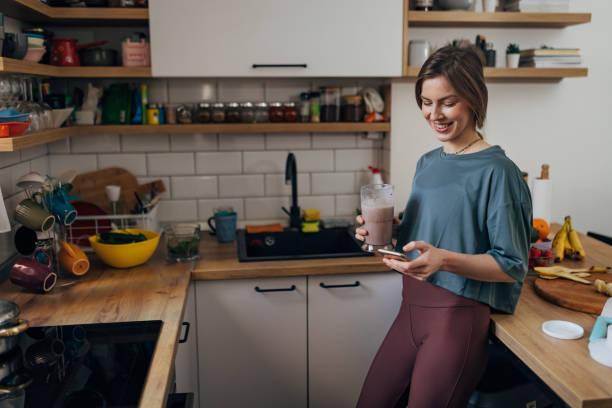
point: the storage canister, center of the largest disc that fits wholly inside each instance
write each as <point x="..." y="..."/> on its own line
<point x="183" y="114"/>
<point x="290" y="112"/>
<point x="276" y="112"/>
<point x="261" y="112"/>
<point x="232" y="113"/>
<point x="203" y="112"/>
<point x="152" y="114"/>
<point x="247" y="112"/>
<point x="418" y="52"/>
<point x="330" y="104"/>
<point x="352" y="109"/>
<point x="218" y="112"/>
<point x="304" y="107"/>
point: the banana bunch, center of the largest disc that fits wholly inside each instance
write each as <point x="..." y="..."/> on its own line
<point x="566" y="243"/>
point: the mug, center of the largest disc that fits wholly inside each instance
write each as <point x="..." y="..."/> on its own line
<point x="72" y="259"/>
<point x="60" y="207"/>
<point x="224" y="225"/>
<point x="33" y="215"/>
<point x="418" y="52"/>
<point x="31" y="274"/>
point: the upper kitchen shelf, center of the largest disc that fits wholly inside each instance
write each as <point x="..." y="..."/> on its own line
<point x="13" y="66"/>
<point x="498" y="19"/>
<point x="520" y="73"/>
<point x="11" y="144"/>
<point x="33" y="11"/>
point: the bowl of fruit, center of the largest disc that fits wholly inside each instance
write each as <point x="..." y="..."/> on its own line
<point x="540" y="257"/>
<point x="540" y="251"/>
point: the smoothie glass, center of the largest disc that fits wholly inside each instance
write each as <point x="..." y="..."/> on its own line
<point x="377" y="212"/>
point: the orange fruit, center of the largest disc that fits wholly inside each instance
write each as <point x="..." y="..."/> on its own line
<point x="542" y="227"/>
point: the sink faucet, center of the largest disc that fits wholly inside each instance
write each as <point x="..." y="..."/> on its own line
<point x="295" y="217"/>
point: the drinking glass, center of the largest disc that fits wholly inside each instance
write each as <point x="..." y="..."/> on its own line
<point x="47" y="113"/>
<point x="377" y="212"/>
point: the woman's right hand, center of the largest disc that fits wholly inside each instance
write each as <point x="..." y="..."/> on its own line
<point x="360" y="233"/>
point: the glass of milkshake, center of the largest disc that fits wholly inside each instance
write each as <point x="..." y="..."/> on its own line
<point x="377" y="212"/>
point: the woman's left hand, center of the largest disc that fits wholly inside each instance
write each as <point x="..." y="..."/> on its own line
<point x="427" y="263"/>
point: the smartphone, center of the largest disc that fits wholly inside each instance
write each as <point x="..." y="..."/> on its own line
<point x="393" y="254"/>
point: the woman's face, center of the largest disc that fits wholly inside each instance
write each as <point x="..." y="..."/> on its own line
<point x="448" y="114"/>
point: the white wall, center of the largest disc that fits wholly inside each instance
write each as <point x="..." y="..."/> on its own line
<point x="567" y="124"/>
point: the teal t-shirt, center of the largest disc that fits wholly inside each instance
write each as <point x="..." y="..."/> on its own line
<point x="475" y="203"/>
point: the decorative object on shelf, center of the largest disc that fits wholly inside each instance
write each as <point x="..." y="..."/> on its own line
<point x="546" y="57"/>
<point x="87" y="114"/>
<point x="418" y="52"/>
<point x="136" y="51"/>
<point x="456" y="4"/>
<point x="374" y="105"/>
<point x="512" y="55"/>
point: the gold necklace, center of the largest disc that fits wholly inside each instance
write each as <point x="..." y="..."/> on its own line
<point x="467" y="147"/>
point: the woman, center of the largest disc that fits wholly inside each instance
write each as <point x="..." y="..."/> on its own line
<point x="466" y="232"/>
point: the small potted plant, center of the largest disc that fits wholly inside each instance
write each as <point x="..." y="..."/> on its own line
<point x="512" y="55"/>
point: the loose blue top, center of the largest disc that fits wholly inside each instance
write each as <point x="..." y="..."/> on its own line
<point x="474" y="203"/>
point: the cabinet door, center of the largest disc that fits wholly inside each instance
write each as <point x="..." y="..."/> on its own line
<point x="252" y="342"/>
<point x="346" y="325"/>
<point x="186" y="361"/>
<point x="226" y="38"/>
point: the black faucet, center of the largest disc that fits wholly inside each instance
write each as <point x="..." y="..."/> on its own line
<point x="295" y="216"/>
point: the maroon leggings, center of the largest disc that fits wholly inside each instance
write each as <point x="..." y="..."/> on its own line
<point x="434" y="353"/>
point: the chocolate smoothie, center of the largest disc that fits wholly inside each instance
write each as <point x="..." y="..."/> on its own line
<point x="379" y="224"/>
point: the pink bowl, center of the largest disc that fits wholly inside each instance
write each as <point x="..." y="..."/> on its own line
<point x="34" y="54"/>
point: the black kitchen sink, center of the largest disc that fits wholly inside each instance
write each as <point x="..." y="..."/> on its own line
<point x="294" y="244"/>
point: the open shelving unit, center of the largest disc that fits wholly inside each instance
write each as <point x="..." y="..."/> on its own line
<point x="519" y="73"/>
<point x="13" y="66"/>
<point x="11" y="144"/>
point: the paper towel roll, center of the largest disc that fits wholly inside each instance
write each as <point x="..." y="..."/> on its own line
<point x="5" y="224"/>
<point x="542" y="199"/>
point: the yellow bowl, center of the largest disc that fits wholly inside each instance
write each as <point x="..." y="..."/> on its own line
<point x="126" y="255"/>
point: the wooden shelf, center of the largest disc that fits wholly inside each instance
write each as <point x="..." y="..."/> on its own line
<point x="497" y="19"/>
<point x="11" y="144"/>
<point x="13" y="66"/>
<point x="33" y="11"/>
<point x="520" y="73"/>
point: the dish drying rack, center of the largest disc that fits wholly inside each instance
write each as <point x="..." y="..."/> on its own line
<point x="87" y="225"/>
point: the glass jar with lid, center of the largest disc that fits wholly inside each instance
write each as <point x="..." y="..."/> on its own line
<point x="203" y="112"/>
<point x="232" y="112"/>
<point x="330" y="104"/>
<point x="276" y="112"/>
<point x="352" y="108"/>
<point x="247" y="112"/>
<point x="218" y="112"/>
<point x="183" y="114"/>
<point x="261" y="112"/>
<point x="290" y="113"/>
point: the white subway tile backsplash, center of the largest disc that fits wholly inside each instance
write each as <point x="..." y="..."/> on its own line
<point x="275" y="185"/>
<point x="241" y="186"/>
<point x="347" y="204"/>
<point x="325" y="204"/>
<point x="8" y="158"/>
<point x="356" y="159"/>
<point x="240" y="90"/>
<point x="266" y="208"/>
<point x="191" y="90"/>
<point x="59" y="146"/>
<point x="333" y="141"/>
<point x="282" y="90"/>
<point x="362" y="178"/>
<point x="178" y="210"/>
<point x="170" y="164"/>
<point x="264" y="162"/>
<point x="287" y="142"/>
<point x="84" y="163"/>
<point x="96" y="144"/>
<point x="194" y="187"/>
<point x="363" y="143"/>
<point x="34" y="152"/>
<point x="166" y="180"/>
<point x="40" y="164"/>
<point x="206" y="208"/>
<point x="145" y="143"/>
<point x="134" y="163"/>
<point x="193" y="143"/>
<point x="219" y="163"/>
<point x="333" y="183"/>
<point x="241" y="142"/>
<point x="314" y="160"/>
<point x="10" y="175"/>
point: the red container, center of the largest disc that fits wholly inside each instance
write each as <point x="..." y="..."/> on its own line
<point x="64" y="51"/>
<point x="10" y="129"/>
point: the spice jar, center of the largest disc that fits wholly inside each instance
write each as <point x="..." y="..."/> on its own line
<point x="247" y="112"/>
<point x="330" y="104"/>
<point x="183" y="114"/>
<point x="315" y="107"/>
<point x="261" y="112"/>
<point x="290" y="113"/>
<point x="152" y="114"/>
<point x="218" y="112"/>
<point x="232" y="113"/>
<point x="352" y="109"/>
<point x="276" y="112"/>
<point x="203" y="112"/>
<point x="171" y="115"/>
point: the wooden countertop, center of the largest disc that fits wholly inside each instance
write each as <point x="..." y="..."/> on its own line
<point x="564" y="365"/>
<point x="154" y="291"/>
<point x="220" y="261"/>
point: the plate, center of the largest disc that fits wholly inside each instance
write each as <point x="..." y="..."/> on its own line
<point x="562" y="329"/>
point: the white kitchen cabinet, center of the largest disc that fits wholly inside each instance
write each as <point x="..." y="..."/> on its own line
<point x="185" y="361"/>
<point x="229" y="38"/>
<point x="346" y="325"/>
<point x="252" y="342"/>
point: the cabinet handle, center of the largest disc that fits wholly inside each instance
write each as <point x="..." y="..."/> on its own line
<point x="346" y="285"/>
<point x="280" y="65"/>
<point x="187" y="326"/>
<point x="258" y="289"/>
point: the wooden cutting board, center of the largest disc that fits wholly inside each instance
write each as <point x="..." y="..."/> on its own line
<point x="91" y="186"/>
<point x="574" y="295"/>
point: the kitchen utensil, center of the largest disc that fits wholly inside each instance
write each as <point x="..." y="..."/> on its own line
<point x="25" y="240"/>
<point x="30" y="274"/>
<point x="80" y="230"/>
<point x="15" y="45"/>
<point x="33" y="215"/>
<point x="126" y="255"/>
<point x="10" y="333"/>
<point x="419" y="51"/>
<point x="58" y="203"/>
<point x="11" y="115"/>
<point x="574" y="295"/>
<point x="223" y="224"/>
<point x="72" y="259"/>
<point x="30" y="181"/>
<point x="562" y="329"/>
<point x="98" y="57"/>
<point x="13" y="129"/>
<point x="64" y="51"/>
<point x="60" y="115"/>
<point x="46" y="35"/>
